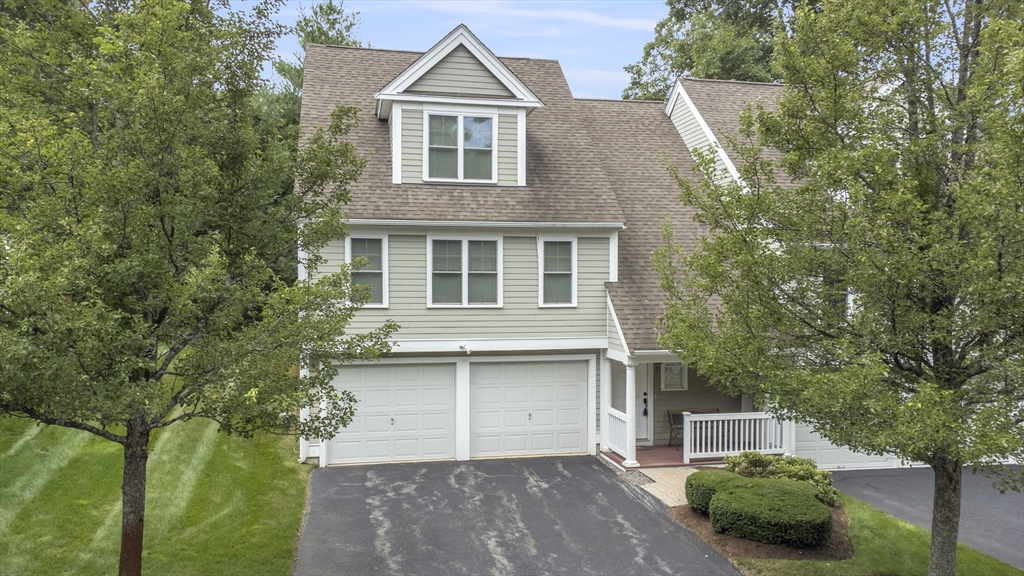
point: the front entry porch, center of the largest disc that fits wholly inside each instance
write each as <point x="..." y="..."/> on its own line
<point x="657" y="413"/>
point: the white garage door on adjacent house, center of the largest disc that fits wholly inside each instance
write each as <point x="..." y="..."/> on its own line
<point x="404" y="412"/>
<point x="809" y="444"/>
<point x="528" y="408"/>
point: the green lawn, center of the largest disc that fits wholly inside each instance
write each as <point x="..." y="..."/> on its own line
<point x="214" y="505"/>
<point x="883" y="545"/>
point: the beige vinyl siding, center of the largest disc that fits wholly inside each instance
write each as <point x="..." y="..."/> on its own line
<point x="520" y="317"/>
<point x="412" y="146"/>
<point x="614" y="342"/>
<point x="692" y="133"/>
<point x="460" y="73"/>
<point x="508" y="166"/>
<point x="699" y="396"/>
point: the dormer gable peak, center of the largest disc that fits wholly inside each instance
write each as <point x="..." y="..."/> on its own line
<point x="424" y="79"/>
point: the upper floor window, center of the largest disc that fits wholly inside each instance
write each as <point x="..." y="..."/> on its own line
<point x="460" y="147"/>
<point x="464" y="272"/>
<point x="557" y="272"/>
<point x="371" y="253"/>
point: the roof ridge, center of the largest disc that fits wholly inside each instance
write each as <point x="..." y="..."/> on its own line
<point x="661" y="102"/>
<point x="688" y="78"/>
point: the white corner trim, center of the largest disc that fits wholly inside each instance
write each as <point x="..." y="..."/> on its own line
<point x="618" y="327"/>
<point x="396" y="143"/>
<point x="613" y="257"/>
<point x="707" y="132"/>
<point x="383" y="263"/>
<point x="521" y="147"/>
<point x="461" y="35"/>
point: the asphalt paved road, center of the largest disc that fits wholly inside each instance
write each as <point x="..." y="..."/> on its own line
<point x="989" y="521"/>
<point x="518" y="516"/>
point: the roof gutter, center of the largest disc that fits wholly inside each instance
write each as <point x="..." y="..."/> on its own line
<point x="486" y="224"/>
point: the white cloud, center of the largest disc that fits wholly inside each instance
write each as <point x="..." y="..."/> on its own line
<point x="493" y="8"/>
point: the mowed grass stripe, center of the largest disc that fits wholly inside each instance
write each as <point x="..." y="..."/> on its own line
<point x="34" y="471"/>
<point x="30" y="433"/>
<point x="215" y="505"/>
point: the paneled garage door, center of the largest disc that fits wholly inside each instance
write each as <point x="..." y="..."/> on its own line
<point x="831" y="457"/>
<point x="528" y="408"/>
<point x="404" y="412"/>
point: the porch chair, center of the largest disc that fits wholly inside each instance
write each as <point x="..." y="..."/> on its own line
<point x="675" y="427"/>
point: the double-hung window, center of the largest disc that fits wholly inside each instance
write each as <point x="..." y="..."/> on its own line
<point x="557" y="272"/>
<point x="370" y="256"/>
<point x="464" y="272"/>
<point x="460" y="148"/>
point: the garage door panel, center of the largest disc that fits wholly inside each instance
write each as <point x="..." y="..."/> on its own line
<point x="809" y="444"/>
<point x="404" y="412"/>
<point x="527" y="408"/>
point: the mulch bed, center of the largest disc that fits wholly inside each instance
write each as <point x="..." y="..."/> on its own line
<point x="838" y="547"/>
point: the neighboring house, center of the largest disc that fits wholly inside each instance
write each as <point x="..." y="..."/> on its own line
<point x="508" y="229"/>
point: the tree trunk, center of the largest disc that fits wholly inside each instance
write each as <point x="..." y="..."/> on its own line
<point x="945" y="517"/>
<point x="133" y="497"/>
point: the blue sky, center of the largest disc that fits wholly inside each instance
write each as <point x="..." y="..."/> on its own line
<point x="591" y="40"/>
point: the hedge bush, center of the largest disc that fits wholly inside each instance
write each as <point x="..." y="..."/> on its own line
<point x="702" y="486"/>
<point x="770" y="510"/>
<point x="757" y="465"/>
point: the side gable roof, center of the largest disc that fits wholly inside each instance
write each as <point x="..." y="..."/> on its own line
<point x="451" y="48"/>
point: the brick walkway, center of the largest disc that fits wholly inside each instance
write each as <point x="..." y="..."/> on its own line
<point x="669" y="484"/>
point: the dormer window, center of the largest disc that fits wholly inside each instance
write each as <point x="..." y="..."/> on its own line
<point x="460" y="148"/>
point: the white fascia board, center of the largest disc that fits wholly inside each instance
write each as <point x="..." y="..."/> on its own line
<point x="473" y="345"/>
<point x="385" y="101"/>
<point x="655" y="356"/>
<point x="673" y="95"/>
<point x="707" y="132"/>
<point x="486" y="224"/>
<point x="615" y="318"/>
<point x="461" y="35"/>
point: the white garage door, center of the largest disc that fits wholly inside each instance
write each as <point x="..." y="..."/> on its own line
<point x="404" y="412"/>
<point x="528" y="408"/>
<point x="831" y="457"/>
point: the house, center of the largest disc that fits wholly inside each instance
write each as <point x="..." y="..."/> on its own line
<point x="508" y="228"/>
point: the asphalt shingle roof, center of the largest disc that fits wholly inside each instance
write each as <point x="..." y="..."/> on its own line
<point x="565" y="182"/>
<point x="587" y="161"/>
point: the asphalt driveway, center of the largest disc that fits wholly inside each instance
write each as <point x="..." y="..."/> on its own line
<point x="516" y="516"/>
<point x="989" y="521"/>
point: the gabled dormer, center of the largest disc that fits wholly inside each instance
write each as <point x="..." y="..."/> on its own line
<point x="457" y="115"/>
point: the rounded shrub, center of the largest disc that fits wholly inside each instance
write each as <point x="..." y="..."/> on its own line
<point x="757" y="465"/>
<point x="702" y="486"/>
<point x="773" y="511"/>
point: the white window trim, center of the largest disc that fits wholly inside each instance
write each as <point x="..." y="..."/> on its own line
<point x="465" y="271"/>
<point x="686" y="378"/>
<point x="540" y="270"/>
<point x="383" y="262"/>
<point x="461" y="113"/>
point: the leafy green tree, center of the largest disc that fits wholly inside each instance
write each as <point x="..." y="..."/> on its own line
<point x="718" y="39"/>
<point x="870" y="281"/>
<point x="325" y="23"/>
<point x="140" y="221"/>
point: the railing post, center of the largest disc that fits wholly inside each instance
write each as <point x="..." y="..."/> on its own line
<point x="687" y="437"/>
<point x="789" y="437"/>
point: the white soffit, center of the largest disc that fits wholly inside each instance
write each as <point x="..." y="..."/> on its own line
<point x="460" y="36"/>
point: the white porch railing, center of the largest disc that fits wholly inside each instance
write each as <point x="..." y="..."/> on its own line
<point x="717" y="435"/>
<point x="617" y="432"/>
